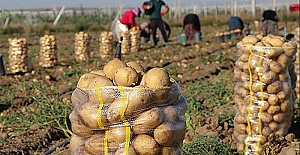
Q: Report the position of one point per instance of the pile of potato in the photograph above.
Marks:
(47, 55)
(18, 58)
(264, 96)
(106, 44)
(134, 39)
(82, 46)
(297, 62)
(123, 110)
(126, 44)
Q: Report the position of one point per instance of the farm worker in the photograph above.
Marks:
(126, 22)
(146, 30)
(157, 21)
(235, 23)
(269, 23)
(191, 25)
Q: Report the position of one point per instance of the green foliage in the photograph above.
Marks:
(206, 145)
(12, 30)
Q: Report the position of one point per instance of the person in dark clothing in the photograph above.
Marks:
(269, 23)
(156, 20)
(235, 22)
(146, 30)
(191, 25)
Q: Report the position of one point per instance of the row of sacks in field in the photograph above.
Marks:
(121, 109)
(264, 91)
(18, 49)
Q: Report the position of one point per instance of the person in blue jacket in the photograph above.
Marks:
(235, 22)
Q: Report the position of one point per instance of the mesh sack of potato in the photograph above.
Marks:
(134, 39)
(47, 54)
(106, 44)
(126, 43)
(82, 46)
(18, 57)
(264, 93)
(123, 110)
(297, 62)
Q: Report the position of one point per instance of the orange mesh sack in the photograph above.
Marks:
(134, 116)
(264, 93)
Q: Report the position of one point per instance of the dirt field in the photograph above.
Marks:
(207, 60)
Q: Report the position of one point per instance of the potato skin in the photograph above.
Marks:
(146, 145)
(110, 67)
(126, 76)
(170, 134)
(121, 151)
(147, 120)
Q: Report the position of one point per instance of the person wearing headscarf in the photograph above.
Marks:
(269, 23)
(126, 22)
(191, 25)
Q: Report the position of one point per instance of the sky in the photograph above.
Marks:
(28, 4)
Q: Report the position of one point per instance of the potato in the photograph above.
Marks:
(171, 113)
(86, 79)
(137, 101)
(88, 113)
(138, 67)
(259, 44)
(266, 131)
(276, 42)
(273, 52)
(273, 109)
(146, 145)
(269, 77)
(78, 128)
(286, 106)
(267, 44)
(239, 64)
(264, 105)
(100, 81)
(157, 78)
(76, 142)
(117, 134)
(122, 151)
(282, 95)
(111, 67)
(98, 72)
(284, 60)
(237, 73)
(147, 120)
(274, 126)
(170, 150)
(289, 49)
(78, 96)
(276, 67)
(257, 85)
(240, 128)
(273, 99)
(262, 95)
(279, 117)
(266, 117)
(286, 87)
(126, 76)
(95, 144)
(283, 76)
(244, 57)
(168, 134)
(240, 118)
(251, 39)
(275, 87)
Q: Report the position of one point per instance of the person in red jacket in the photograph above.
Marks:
(126, 22)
